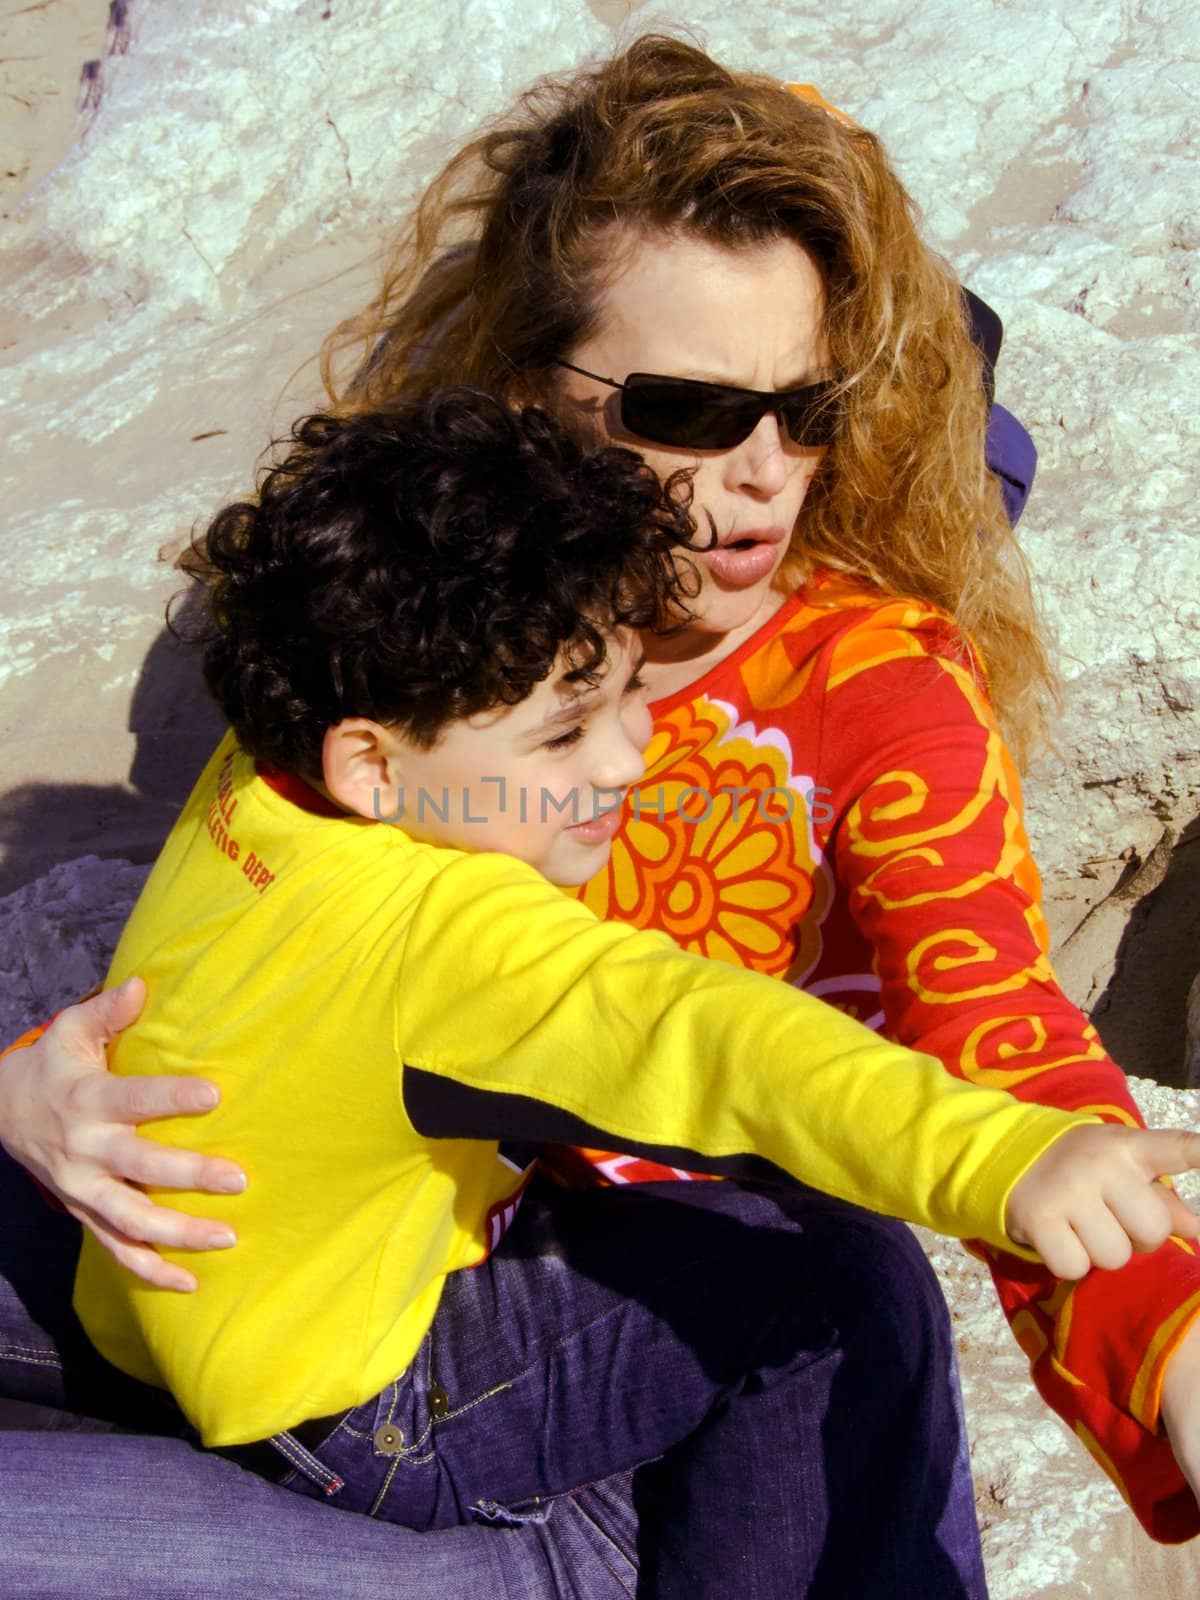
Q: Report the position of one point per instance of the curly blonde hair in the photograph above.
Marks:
(499, 271)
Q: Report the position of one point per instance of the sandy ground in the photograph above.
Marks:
(47, 51)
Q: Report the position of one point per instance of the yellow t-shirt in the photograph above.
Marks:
(379, 1013)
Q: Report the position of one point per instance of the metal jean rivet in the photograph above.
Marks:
(388, 1439)
(439, 1401)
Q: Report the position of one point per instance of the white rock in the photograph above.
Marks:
(234, 144)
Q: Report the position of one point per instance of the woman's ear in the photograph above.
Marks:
(361, 763)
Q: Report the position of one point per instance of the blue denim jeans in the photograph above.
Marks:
(115, 1516)
(87, 1507)
(669, 1390)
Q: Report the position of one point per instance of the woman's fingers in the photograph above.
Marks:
(140, 1259)
(137, 1100)
(74, 1126)
(87, 1027)
(124, 1154)
(127, 1213)
(102, 1111)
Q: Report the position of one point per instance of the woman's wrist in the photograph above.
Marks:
(12, 1070)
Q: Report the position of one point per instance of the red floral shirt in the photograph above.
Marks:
(833, 804)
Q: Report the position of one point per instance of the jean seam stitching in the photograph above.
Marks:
(384, 1487)
(29, 1356)
(305, 1462)
(532, 1366)
(470, 1405)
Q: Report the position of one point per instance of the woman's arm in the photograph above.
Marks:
(931, 856)
(75, 1128)
(1181, 1405)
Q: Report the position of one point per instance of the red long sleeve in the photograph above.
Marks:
(932, 859)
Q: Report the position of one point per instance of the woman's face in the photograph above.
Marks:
(754, 317)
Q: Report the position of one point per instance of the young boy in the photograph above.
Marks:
(431, 622)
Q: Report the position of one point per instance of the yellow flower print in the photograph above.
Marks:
(717, 848)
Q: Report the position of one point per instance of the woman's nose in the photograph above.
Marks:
(760, 462)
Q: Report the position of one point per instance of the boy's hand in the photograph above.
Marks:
(1093, 1199)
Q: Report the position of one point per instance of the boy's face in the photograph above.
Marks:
(543, 780)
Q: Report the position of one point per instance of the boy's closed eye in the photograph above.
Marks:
(564, 740)
(634, 684)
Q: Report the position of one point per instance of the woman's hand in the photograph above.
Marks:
(1094, 1197)
(74, 1126)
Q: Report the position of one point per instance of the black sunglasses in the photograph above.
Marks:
(716, 416)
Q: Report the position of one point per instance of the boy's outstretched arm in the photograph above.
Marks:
(531, 1021)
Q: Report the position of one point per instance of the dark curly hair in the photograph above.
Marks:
(419, 567)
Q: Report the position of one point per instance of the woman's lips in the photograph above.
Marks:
(746, 559)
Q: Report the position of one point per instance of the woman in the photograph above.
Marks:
(726, 276)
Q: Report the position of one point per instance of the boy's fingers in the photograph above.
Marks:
(1166, 1150)
(1142, 1210)
(1184, 1221)
(1060, 1249)
(1104, 1238)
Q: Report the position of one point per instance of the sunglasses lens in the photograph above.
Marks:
(706, 416)
(695, 415)
(810, 417)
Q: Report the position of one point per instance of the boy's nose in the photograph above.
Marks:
(621, 765)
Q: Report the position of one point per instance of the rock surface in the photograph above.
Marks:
(239, 159)
(235, 165)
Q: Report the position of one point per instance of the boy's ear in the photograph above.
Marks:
(361, 766)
